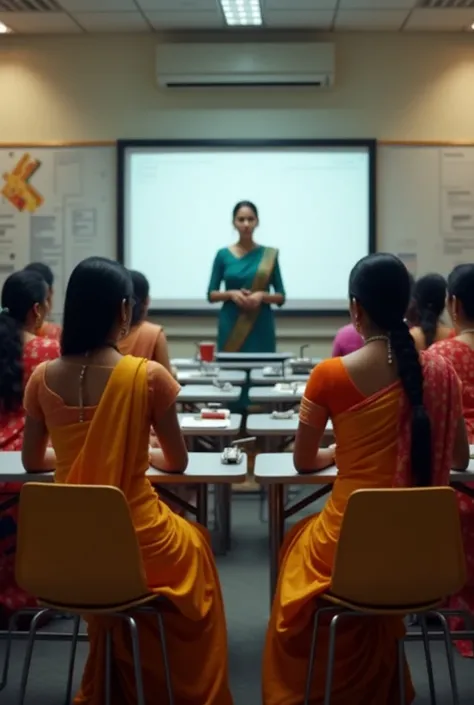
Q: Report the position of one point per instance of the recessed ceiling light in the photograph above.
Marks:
(4, 29)
(242, 12)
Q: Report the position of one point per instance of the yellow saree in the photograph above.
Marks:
(373, 438)
(112, 449)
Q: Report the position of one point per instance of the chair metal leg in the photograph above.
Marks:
(166, 664)
(312, 656)
(429, 662)
(401, 670)
(449, 657)
(137, 664)
(72, 658)
(331, 658)
(108, 668)
(29, 653)
(6, 664)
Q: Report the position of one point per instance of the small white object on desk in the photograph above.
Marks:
(204, 424)
(231, 456)
(295, 387)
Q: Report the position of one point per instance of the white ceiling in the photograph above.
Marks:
(80, 16)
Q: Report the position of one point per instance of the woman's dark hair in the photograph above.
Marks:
(429, 296)
(461, 285)
(380, 283)
(42, 269)
(141, 292)
(95, 292)
(21, 291)
(244, 204)
(411, 315)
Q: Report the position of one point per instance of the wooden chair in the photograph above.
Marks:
(77, 552)
(399, 552)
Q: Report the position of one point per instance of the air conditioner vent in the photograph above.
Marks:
(446, 4)
(30, 6)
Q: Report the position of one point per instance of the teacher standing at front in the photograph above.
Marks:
(249, 272)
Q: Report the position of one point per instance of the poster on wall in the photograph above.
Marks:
(57, 206)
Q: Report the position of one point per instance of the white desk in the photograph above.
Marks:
(265, 425)
(258, 378)
(272, 397)
(275, 470)
(238, 377)
(203, 394)
(203, 469)
(205, 428)
(234, 361)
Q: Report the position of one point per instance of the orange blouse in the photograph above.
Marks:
(329, 391)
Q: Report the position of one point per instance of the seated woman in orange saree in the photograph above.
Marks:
(459, 352)
(374, 422)
(98, 407)
(144, 339)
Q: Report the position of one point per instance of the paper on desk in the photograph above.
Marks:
(193, 422)
(296, 388)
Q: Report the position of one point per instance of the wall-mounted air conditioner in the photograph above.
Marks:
(199, 65)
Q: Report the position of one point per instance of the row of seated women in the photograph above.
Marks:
(88, 416)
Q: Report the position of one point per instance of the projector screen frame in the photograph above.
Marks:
(124, 144)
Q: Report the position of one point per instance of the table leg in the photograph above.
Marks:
(201, 504)
(276, 530)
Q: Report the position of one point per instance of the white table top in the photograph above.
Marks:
(271, 468)
(264, 425)
(183, 363)
(269, 395)
(198, 377)
(203, 468)
(204, 428)
(197, 393)
(257, 377)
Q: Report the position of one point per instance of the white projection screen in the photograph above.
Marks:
(315, 201)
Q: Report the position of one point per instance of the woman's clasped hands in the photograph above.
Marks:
(246, 299)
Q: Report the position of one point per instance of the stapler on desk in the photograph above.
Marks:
(233, 454)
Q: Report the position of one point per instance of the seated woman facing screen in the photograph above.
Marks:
(459, 351)
(97, 407)
(48, 329)
(390, 431)
(145, 339)
(429, 297)
(22, 314)
(246, 321)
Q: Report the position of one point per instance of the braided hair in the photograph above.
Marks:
(380, 284)
(429, 296)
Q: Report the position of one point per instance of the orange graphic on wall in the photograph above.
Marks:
(18, 190)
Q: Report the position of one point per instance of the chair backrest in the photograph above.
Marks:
(77, 546)
(399, 547)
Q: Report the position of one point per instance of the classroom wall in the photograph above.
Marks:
(393, 87)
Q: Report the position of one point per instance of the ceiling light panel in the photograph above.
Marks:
(242, 12)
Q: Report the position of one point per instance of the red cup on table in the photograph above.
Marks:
(207, 351)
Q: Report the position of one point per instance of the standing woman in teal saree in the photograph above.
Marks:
(249, 272)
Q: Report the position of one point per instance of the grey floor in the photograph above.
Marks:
(244, 576)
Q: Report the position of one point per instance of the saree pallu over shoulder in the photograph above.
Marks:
(373, 444)
(246, 320)
(176, 554)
